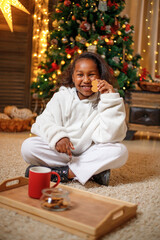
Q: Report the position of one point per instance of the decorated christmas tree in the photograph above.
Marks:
(91, 25)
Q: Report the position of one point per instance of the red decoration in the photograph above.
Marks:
(110, 4)
(73, 18)
(71, 51)
(113, 30)
(144, 74)
(54, 67)
(125, 67)
(111, 70)
(110, 42)
(128, 28)
(67, 3)
(58, 10)
(85, 26)
(126, 38)
(77, 4)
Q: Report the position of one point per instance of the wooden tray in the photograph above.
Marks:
(90, 216)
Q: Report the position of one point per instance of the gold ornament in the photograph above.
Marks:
(5, 6)
(129, 57)
(116, 73)
(55, 24)
(64, 40)
(92, 48)
(78, 38)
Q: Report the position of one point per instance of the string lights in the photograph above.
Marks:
(150, 45)
(40, 31)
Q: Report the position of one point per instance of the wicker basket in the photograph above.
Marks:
(149, 86)
(16, 125)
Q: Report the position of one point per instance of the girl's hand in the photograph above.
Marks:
(64, 146)
(105, 87)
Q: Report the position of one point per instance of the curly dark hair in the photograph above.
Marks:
(65, 79)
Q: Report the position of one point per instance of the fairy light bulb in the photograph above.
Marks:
(87, 44)
(63, 62)
(54, 75)
(79, 51)
(68, 56)
(95, 42)
(59, 72)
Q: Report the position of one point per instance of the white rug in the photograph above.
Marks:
(137, 182)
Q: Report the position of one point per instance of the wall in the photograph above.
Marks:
(15, 57)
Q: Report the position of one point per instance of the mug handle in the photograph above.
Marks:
(58, 178)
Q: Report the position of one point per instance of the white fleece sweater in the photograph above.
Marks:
(99, 119)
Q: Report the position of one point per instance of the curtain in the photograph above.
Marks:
(145, 16)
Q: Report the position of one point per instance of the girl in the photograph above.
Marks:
(79, 132)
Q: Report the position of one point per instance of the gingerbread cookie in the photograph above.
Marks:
(94, 86)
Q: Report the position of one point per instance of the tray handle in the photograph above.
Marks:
(13, 183)
(122, 213)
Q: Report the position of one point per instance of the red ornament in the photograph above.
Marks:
(54, 67)
(67, 3)
(73, 18)
(144, 73)
(110, 42)
(127, 29)
(125, 67)
(58, 10)
(113, 31)
(110, 4)
(126, 38)
(77, 4)
(71, 51)
(111, 71)
(85, 26)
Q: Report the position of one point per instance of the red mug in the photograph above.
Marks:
(39, 178)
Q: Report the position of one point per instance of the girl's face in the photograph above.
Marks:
(85, 72)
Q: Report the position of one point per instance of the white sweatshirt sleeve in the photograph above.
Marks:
(49, 124)
(111, 119)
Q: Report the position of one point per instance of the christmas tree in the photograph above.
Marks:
(91, 25)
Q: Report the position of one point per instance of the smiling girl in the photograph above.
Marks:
(79, 134)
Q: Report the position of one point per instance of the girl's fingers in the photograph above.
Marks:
(65, 147)
(71, 145)
(104, 86)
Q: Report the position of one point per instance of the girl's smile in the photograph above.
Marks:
(85, 72)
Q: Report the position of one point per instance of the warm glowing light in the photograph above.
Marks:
(54, 75)
(68, 56)
(79, 51)
(59, 72)
(87, 44)
(5, 6)
(95, 42)
(106, 40)
(63, 62)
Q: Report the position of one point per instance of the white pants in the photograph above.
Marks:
(97, 158)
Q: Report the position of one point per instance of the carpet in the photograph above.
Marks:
(138, 181)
